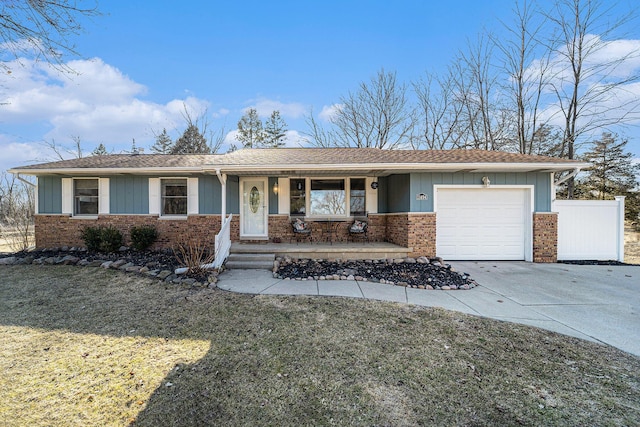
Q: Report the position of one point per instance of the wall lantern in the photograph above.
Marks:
(485, 181)
(275, 188)
(299, 185)
(374, 185)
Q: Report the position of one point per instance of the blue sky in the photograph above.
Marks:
(142, 61)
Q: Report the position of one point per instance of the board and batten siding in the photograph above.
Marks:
(393, 193)
(49, 194)
(129, 195)
(424, 182)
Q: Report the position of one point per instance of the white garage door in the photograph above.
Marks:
(482, 223)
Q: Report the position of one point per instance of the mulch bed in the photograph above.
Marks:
(419, 272)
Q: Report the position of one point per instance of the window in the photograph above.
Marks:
(85, 197)
(357, 197)
(297, 193)
(327, 197)
(174, 197)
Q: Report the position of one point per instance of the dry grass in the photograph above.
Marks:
(631, 245)
(96, 347)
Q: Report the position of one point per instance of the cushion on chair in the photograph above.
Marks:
(300, 225)
(357, 226)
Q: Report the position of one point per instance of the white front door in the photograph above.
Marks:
(255, 208)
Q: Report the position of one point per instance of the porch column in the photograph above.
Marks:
(222, 177)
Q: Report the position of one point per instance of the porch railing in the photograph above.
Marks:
(223, 242)
(222, 246)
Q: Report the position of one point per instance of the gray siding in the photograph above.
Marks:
(424, 182)
(49, 194)
(129, 194)
(233, 194)
(209, 194)
(398, 193)
(273, 197)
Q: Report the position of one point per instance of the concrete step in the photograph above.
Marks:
(246, 261)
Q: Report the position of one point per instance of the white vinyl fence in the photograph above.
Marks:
(590, 229)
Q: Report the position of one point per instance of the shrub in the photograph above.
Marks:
(111, 239)
(102, 239)
(143, 237)
(91, 238)
(192, 254)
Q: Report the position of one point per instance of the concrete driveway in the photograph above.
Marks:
(597, 303)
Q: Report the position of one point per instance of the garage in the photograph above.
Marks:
(483, 223)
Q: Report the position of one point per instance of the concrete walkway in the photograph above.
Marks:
(596, 303)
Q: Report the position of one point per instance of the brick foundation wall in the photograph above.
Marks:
(421, 234)
(397, 229)
(545, 237)
(62, 230)
(280, 227)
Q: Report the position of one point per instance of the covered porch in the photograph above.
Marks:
(325, 250)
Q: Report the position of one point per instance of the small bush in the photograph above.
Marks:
(111, 239)
(143, 237)
(102, 239)
(193, 254)
(92, 238)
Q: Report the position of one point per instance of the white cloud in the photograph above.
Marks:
(16, 154)
(294, 139)
(329, 112)
(220, 113)
(99, 103)
(265, 107)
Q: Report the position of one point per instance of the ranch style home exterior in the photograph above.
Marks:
(456, 204)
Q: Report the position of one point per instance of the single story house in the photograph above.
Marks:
(457, 204)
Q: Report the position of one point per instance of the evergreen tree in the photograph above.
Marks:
(613, 171)
(250, 131)
(191, 142)
(274, 131)
(100, 150)
(163, 144)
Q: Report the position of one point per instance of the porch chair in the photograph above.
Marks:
(359, 228)
(301, 230)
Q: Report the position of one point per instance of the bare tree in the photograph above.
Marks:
(62, 152)
(317, 135)
(527, 67)
(485, 116)
(590, 92)
(377, 115)
(43, 27)
(439, 121)
(17, 205)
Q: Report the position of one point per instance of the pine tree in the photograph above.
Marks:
(613, 171)
(100, 150)
(275, 131)
(191, 142)
(163, 144)
(250, 131)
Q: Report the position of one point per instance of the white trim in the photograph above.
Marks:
(154, 196)
(371, 195)
(346, 167)
(530, 208)
(284, 196)
(192, 196)
(67, 196)
(266, 190)
(103, 196)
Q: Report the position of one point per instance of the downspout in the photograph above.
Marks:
(25, 181)
(568, 177)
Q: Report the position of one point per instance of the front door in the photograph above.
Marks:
(255, 208)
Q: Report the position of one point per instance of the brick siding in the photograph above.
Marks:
(62, 230)
(545, 237)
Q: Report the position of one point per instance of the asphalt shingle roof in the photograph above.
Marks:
(286, 157)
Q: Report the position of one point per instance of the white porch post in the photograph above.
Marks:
(620, 200)
(222, 177)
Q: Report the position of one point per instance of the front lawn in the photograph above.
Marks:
(88, 346)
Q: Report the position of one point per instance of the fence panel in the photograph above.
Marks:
(590, 229)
